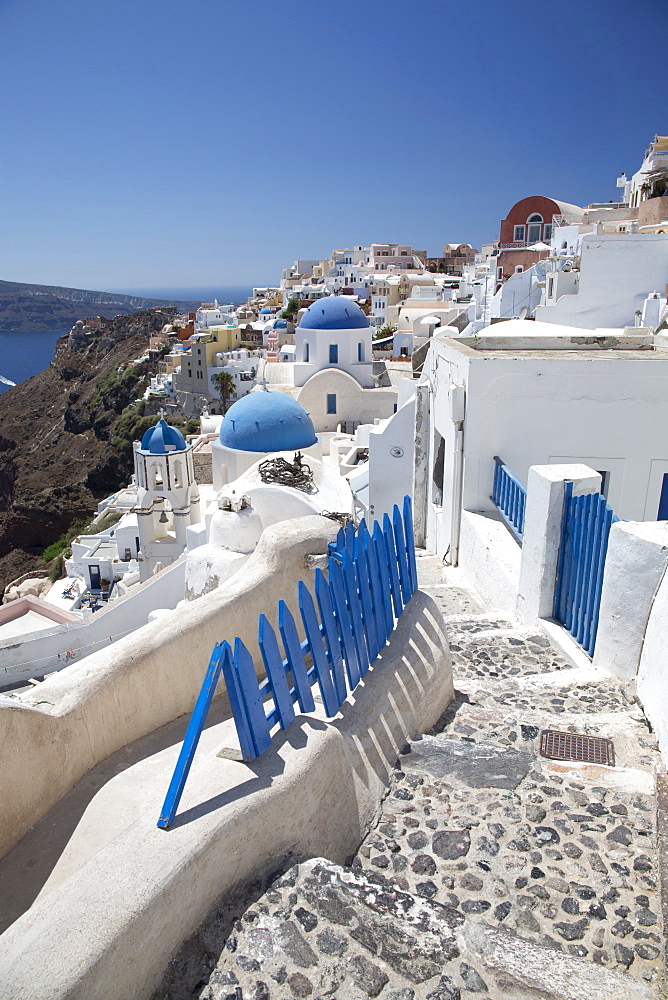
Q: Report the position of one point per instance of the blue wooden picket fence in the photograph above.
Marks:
(584, 544)
(509, 498)
(371, 576)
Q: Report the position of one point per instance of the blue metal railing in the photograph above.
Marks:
(370, 579)
(509, 498)
(584, 543)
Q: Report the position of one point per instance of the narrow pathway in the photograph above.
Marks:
(492, 872)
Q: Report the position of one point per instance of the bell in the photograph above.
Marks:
(163, 518)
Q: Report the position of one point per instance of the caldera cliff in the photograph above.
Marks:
(64, 439)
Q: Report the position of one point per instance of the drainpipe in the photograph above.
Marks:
(457, 413)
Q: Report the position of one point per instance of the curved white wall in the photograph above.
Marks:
(53, 735)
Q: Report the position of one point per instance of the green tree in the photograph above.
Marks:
(291, 309)
(224, 384)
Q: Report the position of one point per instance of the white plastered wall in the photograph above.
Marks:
(635, 564)
(537, 410)
(391, 461)
(77, 717)
(652, 678)
(617, 272)
(353, 402)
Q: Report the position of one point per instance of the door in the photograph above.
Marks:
(94, 576)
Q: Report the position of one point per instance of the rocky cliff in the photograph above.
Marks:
(51, 307)
(63, 439)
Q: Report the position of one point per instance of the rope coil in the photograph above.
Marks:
(297, 474)
(343, 519)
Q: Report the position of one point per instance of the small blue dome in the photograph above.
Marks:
(267, 421)
(280, 324)
(263, 312)
(163, 438)
(335, 312)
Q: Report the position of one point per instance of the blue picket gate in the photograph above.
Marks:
(509, 498)
(370, 579)
(584, 544)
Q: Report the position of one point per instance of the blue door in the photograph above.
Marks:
(584, 544)
(94, 574)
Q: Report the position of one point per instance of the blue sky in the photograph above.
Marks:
(162, 143)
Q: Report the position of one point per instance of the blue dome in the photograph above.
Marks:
(267, 421)
(263, 312)
(335, 312)
(280, 324)
(163, 438)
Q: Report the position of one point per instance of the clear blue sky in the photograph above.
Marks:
(154, 143)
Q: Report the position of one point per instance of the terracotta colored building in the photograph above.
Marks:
(530, 221)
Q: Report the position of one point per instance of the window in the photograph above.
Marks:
(518, 234)
(550, 288)
(333, 354)
(605, 480)
(306, 351)
(437, 470)
(535, 218)
(331, 402)
(662, 514)
(547, 231)
(534, 233)
(360, 351)
(519, 269)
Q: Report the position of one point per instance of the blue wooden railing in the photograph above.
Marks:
(584, 544)
(509, 498)
(370, 579)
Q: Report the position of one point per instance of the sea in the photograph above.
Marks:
(25, 354)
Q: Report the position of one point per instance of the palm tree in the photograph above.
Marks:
(225, 387)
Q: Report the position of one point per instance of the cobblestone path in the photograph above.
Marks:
(492, 872)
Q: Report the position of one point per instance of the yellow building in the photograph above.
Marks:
(219, 338)
(200, 353)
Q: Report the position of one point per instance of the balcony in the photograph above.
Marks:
(520, 245)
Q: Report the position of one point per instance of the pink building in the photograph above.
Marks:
(384, 255)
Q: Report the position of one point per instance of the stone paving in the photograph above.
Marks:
(491, 873)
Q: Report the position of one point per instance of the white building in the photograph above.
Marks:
(607, 279)
(535, 394)
(242, 365)
(212, 314)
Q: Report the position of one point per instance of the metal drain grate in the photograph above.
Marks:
(572, 746)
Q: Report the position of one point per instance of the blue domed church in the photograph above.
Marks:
(256, 426)
(334, 332)
(167, 496)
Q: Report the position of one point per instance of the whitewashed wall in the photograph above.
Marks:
(53, 735)
(617, 272)
(54, 648)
